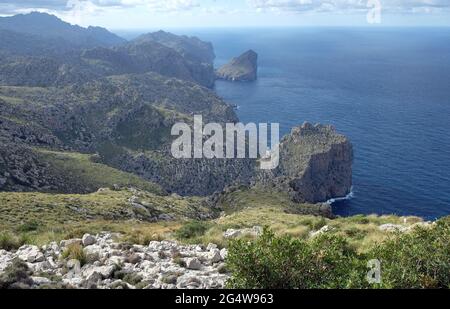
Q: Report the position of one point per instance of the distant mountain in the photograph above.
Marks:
(50, 27)
(30, 60)
(191, 48)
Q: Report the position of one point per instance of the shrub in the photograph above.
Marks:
(273, 262)
(192, 229)
(29, 226)
(420, 259)
(75, 252)
(16, 276)
(10, 242)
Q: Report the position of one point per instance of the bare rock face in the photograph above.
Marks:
(315, 164)
(242, 68)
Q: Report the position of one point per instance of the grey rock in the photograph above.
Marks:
(70, 242)
(40, 280)
(88, 240)
(214, 256)
(211, 247)
(323, 230)
(392, 228)
(224, 253)
(30, 254)
(193, 263)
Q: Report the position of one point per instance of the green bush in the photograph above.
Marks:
(29, 226)
(75, 252)
(10, 242)
(420, 259)
(192, 229)
(273, 262)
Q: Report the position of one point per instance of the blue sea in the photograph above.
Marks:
(387, 89)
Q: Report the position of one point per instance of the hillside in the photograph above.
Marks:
(48, 27)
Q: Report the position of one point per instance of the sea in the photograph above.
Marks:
(387, 89)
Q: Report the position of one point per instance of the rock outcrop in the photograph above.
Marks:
(113, 265)
(242, 68)
(315, 164)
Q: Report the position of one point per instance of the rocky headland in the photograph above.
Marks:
(242, 68)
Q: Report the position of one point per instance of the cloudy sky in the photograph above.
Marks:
(140, 14)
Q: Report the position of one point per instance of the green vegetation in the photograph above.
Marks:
(42, 217)
(286, 263)
(192, 229)
(75, 252)
(416, 260)
(8, 241)
(420, 259)
(80, 171)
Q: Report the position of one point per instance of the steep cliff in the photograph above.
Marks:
(242, 68)
(315, 164)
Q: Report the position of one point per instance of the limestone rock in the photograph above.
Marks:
(30, 254)
(323, 230)
(88, 240)
(193, 263)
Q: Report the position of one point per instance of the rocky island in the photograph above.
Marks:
(242, 68)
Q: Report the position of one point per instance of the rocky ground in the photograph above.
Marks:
(106, 264)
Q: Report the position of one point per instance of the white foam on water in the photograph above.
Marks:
(348, 197)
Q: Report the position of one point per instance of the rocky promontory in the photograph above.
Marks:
(242, 68)
(315, 164)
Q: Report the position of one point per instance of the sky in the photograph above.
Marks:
(146, 14)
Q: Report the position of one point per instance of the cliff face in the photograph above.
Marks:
(315, 165)
(242, 68)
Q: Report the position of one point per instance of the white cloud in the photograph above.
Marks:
(403, 6)
(89, 6)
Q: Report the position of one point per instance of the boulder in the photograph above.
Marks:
(323, 230)
(70, 242)
(193, 263)
(30, 254)
(392, 228)
(211, 247)
(40, 280)
(232, 233)
(214, 256)
(88, 240)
